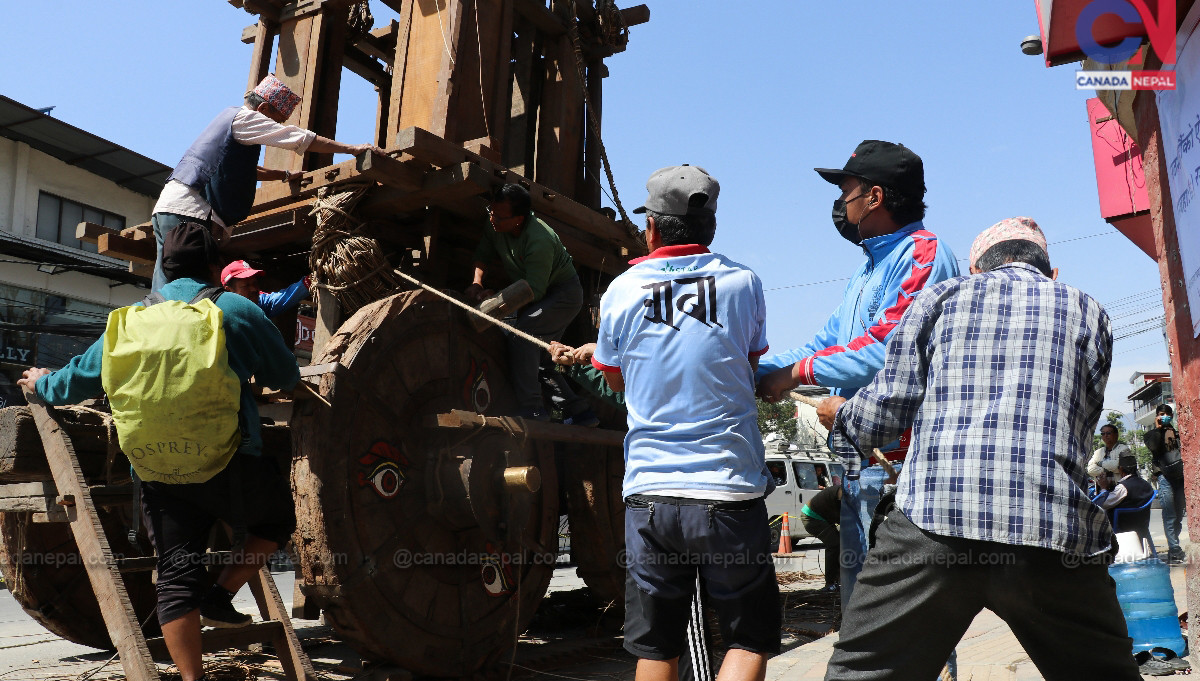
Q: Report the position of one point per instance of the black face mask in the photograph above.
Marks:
(847, 229)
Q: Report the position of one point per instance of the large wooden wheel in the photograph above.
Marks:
(409, 537)
(45, 573)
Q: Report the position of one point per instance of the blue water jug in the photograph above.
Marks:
(1148, 601)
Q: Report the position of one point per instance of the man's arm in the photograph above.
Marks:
(888, 406)
(1114, 498)
(275, 304)
(324, 145)
(275, 365)
(854, 364)
(77, 381)
(252, 127)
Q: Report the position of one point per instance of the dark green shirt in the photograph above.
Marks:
(535, 255)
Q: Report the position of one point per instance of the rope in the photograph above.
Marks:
(347, 263)
(359, 22)
(593, 121)
(507, 327)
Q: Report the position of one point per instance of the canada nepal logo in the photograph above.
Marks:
(1160, 29)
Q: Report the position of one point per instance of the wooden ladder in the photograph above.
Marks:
(104, 571)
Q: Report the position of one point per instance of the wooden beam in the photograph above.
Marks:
(399, 67)
(115, 246)
(381, 42)
(364, 65)
(366, 166)
(107, 585)
(295, 663)
(27, 497)
(536, 430)
(260, 58)
(425, 146)
(546, 21)
(90, 231)
(329, 318)
(638, 14)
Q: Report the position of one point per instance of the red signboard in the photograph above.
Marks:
(1074, 29)
(304, 332)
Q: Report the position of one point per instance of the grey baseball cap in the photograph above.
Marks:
(672, 188)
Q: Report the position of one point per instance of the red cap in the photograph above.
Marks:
(238, 269)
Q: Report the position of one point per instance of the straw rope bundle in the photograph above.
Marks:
(343, 261)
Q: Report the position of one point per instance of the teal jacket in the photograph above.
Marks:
(255, 349)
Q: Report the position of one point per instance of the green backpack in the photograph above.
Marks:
(174, 398)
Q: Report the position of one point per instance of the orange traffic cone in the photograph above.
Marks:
(785, 536)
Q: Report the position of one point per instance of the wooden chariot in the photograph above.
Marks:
(427, 518)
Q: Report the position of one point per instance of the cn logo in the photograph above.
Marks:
(1160, 27)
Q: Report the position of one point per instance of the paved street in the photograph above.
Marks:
(988, 651)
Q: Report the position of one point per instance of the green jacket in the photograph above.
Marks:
(535, 255)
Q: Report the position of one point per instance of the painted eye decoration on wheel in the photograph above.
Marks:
(383, 472)
(496, 573)
(476, 390)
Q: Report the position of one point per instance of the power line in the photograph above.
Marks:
(830, 281)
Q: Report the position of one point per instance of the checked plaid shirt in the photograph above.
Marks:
(1001, 376)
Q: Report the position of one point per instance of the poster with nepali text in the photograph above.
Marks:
(1179, 119)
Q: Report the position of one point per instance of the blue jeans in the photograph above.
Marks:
(1170, 495)
(859, 499)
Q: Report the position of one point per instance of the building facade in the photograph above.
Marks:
(1150, 389)
(55, 290)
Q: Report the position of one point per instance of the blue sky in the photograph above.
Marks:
(756, 97)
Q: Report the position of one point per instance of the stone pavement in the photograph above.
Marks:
(988, 651)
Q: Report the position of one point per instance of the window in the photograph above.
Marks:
(806, 475)
(57, 219)
(778, 471)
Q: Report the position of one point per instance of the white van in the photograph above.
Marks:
(799, 475)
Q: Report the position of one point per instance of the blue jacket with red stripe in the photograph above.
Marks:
(848, 352)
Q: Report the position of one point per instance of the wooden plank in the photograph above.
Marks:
(537, 14)
(381, 42)
(109, 588)
(90, 231)
(329, 318)
(537, 430)
(448, 81)
(425, 146)
(399, 68)
(446, 187)
(560, 119)
(638, 14)
(214, 640)
(292, 657)
(590, 190)
(518, 138)
(28, 497)
(366, 166)
(141, 269)
(431, 40)
(260, 59)
(364, 65)
(116, 246)
(140, 231)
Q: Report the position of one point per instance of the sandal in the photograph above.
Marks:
(1169, 658)
(1149, 665)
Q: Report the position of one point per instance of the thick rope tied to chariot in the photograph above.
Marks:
(345, 262)
(360, 21)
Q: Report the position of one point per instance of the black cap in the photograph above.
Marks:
(188, 250)
(1129, 463)
(885, 164)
